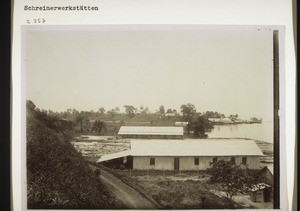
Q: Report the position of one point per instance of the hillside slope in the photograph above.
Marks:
(57, 175)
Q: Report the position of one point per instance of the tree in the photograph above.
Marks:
(231, 178)
(98, 126)
(50, 112)
(141, 109)
(145, 110)
(101, 110)
(79, 121)
(211, 114)
(30, 105)
(171, 112)
(162, 110)
(130, 110)
(117, 110)
(200, 127)
(44, 111)
(111, 113)
(188, 110)
(233, 117)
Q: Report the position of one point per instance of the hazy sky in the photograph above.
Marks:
(229, 71)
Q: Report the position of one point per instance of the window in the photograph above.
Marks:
(196, 161)
(232, 159)
(215, 159)
(244, 160)
(152, 161)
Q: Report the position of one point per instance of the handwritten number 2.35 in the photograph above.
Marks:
(36, 21)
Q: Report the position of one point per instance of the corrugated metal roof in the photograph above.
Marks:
(181, 123)
(260, 186)
(136, 130)
(270, 167)
(195, 147)
(114, 155)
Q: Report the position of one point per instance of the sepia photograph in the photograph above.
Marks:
(150, 117)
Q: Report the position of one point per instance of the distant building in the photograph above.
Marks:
(181, 123)
(151, 132)
(188, 154)
(261, 193)
(170, 114)
(214, 120)
(225, 120)
(238, 121)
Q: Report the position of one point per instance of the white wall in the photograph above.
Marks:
(186, 163)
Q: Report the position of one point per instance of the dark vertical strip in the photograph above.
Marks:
(5, 181)
(276, 121)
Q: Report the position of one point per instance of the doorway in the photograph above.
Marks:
(176, 164)
(267, 195)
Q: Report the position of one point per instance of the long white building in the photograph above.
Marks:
(190, 154)
(151, 132)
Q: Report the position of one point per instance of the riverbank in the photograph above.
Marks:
(268, 151)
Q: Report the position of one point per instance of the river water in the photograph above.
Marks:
(262, 132)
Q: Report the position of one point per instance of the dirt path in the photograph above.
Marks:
(128, 196)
